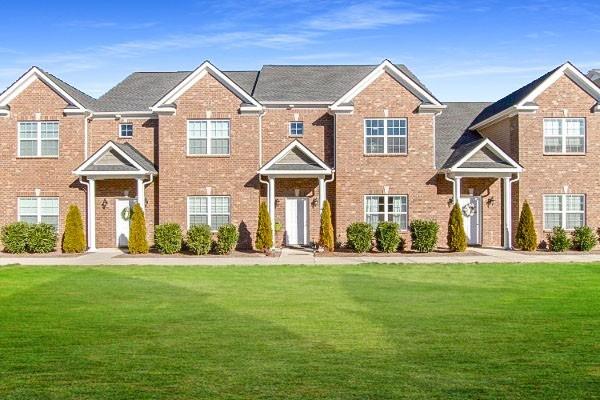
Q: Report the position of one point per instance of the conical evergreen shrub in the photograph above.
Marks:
(456, 239)
(526, 238)
(74, 236)
(138, 244)
(326, 237)
(264, 233)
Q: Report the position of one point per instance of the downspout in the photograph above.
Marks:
(86, 119)
(260, 149)
(453, 186)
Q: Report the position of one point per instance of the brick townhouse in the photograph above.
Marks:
(207, 146)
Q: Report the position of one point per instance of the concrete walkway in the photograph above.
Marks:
(296, 256)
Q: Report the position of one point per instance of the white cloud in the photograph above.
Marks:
(485, 70)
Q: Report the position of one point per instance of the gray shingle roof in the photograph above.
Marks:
(291, 83)
(137, 156)
(82, 98)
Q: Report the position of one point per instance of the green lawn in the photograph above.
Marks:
(362, 332)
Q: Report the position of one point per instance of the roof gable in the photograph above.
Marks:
(295, 158)
(115, 158)
(484, 154)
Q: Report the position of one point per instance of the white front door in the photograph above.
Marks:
(471, 211)
(296, 221)
(122, 221)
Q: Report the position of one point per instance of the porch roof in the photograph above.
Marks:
(116, 160)
(295, 160)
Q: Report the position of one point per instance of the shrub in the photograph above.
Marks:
(526, 238)
(14, 237)
(199, 239)
(264, 232)
(41, 238)
(424, 235)
(167, 238)
(456, 239)
(584, 238)
(227, 238)
(137, 231)
(558, 240)
(360, 236)
(326, 237)
(74, 236)
(401, 244)
(387, 237)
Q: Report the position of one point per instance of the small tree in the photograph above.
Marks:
(264, 233)
(74, 237)
(457, 239)
(526, 238)
(138, 244)
(326, 238)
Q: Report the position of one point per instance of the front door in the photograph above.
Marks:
(471, 211)
(296, 221)
(123, 211)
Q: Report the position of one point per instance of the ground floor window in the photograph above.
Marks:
(210, 210)
(564, 210)
(39, 209)
(387, 208)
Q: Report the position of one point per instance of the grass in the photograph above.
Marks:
(363, 332)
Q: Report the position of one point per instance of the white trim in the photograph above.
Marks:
(290, 128)
(208, 138)
(563, 211)
(306, 220)
(195, 76)
(385, 136)
(295, 144)
(386, 213)
(109, 145)
(23, 83)
(497, 150)
(385, 66)
(563, 136)
(120, 133)
(38, 213)
(38, 139)
(208, 210)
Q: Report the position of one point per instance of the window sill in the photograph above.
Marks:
(125, 137)
(208, 155)
(296, 136)
(564, 154)
(385, 154)
(37, 157)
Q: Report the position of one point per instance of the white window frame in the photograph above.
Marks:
(38, 214)
(121, 130)
(209, 138)
(386, 203)
(209, 209)
(291, 130)
(385, 135)
(38, 139)
(563, 135)
(563, 211)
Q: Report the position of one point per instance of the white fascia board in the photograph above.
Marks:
(294, 174)
(113, 174)
(23, 83)
(481, 173)
(431, 108)
(100, 152)
(120, 113)
(509, 112)
(341, 109)
(288, 148)
(497, 150)
(199, 73)
(385, 66)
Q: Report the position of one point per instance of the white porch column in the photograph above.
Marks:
(141, 198)
(456, 188)
(507, 213)
(272, 205)
(322, 192)
(91, 217)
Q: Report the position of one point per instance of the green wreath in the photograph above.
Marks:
(126, 214)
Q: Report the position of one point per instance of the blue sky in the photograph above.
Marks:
(462, 50)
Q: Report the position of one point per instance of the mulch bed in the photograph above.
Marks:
(41, 255)
(375, 253)
(184, 253)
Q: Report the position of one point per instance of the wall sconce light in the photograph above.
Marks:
(450, 201)
(314, 202)
(276, 202)
(490, 202)
(104, 204)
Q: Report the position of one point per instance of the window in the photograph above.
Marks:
(564, 210)
(208, 137)
(386, 136)
(126, 130)
(387, 208)
(296, 128)
(564, 135)
(39, 209)
(210, 210)
(38, 139)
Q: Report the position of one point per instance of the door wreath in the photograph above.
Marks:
(468, 210)
(126, 214)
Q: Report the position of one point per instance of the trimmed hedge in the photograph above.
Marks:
(21, 237)
(14, 237)
(168, 238)
(526, 238)
(227, 238)
(424, 235)
(584, 238)
(264, 232)
(138, 244)
(387, 237)
(74, 236)
(326, 237)
(558, 240)
(360, 237)
(456, 239)
(199, 239)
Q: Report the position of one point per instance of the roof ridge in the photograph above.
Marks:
(321, 65)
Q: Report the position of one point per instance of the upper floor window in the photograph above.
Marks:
(39, 209)
(386, 136)
(387, 208)
(564, 210)
(564, 135)
(208, 137)
(126, 130)
(296, 128)
(38, 139)
(210, 210)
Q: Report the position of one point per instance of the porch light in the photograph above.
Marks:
(104, 204)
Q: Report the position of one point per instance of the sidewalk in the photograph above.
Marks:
(293, 256)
